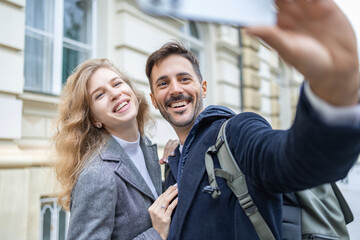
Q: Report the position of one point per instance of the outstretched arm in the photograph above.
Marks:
(317, 39)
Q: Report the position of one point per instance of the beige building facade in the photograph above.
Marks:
(42, 41)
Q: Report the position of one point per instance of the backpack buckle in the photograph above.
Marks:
(247, 204)
(219, 142)
(209, 189)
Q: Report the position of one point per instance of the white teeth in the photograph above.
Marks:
(121, 106)
(178, 104)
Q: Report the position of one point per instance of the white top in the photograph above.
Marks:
(133, 150)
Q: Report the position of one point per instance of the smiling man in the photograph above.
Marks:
(178, 92)
(320, 147)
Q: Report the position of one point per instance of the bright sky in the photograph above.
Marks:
(351, 9)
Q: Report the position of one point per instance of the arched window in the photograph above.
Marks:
(54, 220)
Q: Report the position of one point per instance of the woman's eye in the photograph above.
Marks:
(118, 84)
(99, 96)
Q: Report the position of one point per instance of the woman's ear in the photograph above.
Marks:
(98, 124)
(95, 122)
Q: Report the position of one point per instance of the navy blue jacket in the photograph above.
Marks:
(274, 161)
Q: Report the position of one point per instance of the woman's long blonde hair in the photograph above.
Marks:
(76, 137)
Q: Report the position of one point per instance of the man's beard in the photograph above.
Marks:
(195, 112)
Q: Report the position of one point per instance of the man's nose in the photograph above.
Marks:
(175, 88)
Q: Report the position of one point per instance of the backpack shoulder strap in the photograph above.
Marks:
(349, 217)
(235, 180)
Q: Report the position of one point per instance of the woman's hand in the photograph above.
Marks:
(169, 149)
(161, 210)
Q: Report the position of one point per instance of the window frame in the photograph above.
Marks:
(51, 204)
(53, 86)
(192, 42)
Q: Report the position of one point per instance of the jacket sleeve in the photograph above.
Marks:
(150, 234)
(92, 210)
(308, 154)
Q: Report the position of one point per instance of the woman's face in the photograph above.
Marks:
(112, 102)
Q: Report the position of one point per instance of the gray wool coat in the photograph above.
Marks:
(111, 199)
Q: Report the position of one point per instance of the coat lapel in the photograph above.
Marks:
(125, 169)
(152, 165)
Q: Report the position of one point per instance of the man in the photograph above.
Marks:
(321, 146)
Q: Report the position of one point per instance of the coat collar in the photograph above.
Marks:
(127, 170)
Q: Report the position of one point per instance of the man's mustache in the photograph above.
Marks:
(180, 97)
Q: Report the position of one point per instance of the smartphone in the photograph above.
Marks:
(233, 12)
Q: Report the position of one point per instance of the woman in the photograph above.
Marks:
(107, 168)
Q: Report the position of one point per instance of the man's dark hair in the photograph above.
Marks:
(166, 50)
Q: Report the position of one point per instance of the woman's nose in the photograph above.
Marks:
(115, 94)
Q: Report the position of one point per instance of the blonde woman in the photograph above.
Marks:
(106, 166)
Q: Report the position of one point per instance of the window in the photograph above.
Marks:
(54, 220)
(192, 39)
(58, 36)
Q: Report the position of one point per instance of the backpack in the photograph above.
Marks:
(316, 213)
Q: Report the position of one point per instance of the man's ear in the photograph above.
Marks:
(153, 100)
(204, 88)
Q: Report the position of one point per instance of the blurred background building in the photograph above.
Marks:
(41, 41)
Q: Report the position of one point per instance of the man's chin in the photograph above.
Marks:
(180, 122)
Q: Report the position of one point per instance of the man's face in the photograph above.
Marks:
(177, 91)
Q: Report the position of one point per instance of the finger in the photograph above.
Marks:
(165, 198)
(290, 8)
(175, 144)
(165, 153)
(314, 9)
(170, 196)
(168, 200)
(169, 190)
(283, 42)
(171, 207)
(162, 161)
(168, 148)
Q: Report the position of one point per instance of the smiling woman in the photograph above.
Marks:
(113, 104)
(106, 165)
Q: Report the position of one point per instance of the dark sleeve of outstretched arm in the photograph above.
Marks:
(308, 154)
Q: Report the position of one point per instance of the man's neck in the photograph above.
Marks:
(183, 132)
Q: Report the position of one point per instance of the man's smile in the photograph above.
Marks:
(178, 102)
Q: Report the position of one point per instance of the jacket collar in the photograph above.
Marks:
(127, 170)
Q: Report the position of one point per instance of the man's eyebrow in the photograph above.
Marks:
(161, 78)
(97, 89)
(183, 74)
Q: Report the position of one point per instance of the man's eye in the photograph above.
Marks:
(184, 79)
(161, 84)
